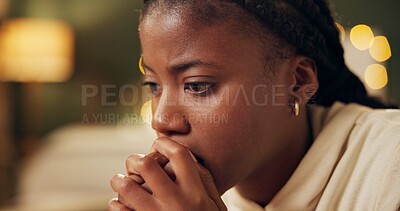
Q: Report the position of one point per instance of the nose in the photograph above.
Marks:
(169, 117)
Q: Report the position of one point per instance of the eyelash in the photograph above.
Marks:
(191, 88)
(152, 87)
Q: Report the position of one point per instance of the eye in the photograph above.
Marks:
(198, 88)
(155, 89)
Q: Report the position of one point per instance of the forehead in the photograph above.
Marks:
(199, 14)
(184, 24)
(171, 37)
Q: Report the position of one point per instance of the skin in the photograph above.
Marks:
(256, 150)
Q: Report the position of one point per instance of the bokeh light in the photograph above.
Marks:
(342, 31)
(361, 36)
(376, 76)
(145, 112)
(380, 49)
(36, 50)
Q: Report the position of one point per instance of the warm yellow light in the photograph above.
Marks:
(4, 7)
(361, 36)
(145, 112)
(141, 65)
(36, 50)
(376, 76)
(342, 31)
(380, 49)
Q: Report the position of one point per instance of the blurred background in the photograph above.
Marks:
(72, 108)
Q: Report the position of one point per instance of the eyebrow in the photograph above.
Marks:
(185, 66)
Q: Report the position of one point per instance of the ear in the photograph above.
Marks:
(305, 81)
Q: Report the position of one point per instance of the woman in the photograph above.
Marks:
(263, 65)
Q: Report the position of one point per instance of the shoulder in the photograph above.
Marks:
(371, 123)
(367, 171)
(383, 119)
(381, 129)
(374, 136)
(380, 126)
(373, 148)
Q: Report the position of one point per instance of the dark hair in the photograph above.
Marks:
(308, 26)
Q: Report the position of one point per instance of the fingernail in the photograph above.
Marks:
(193, 157)
(121, 176)
(113, 199)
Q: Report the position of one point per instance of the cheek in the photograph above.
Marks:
(227, 139)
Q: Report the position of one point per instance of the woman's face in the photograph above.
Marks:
(213, 95)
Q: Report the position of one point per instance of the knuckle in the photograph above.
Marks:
(130, 160)
(121, 185)
(145, 163)
(180, 151)
(114, 183)
(125, 187)
(154, 144)
(158, 141)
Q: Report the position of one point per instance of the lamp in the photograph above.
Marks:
(31, 50)
(36, 50)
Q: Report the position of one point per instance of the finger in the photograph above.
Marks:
(124, 202)
(170, 172)
(137, 178)
(140, 181)
(155, 177)
(181, 161)
(164, 163)
(209, 185)
(129, 166)
(115, 205)
(159, 158)
(133, 193)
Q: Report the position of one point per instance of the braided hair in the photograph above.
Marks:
(308, 26)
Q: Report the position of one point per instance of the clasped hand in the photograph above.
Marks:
(169, 178)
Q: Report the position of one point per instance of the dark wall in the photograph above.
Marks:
(107, 51)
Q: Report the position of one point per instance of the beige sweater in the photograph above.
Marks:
(353, 165)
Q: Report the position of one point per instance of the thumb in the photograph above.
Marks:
(209, 185)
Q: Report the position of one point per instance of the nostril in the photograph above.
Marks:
(171, 125)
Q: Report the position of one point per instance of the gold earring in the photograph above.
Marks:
(296, 108)
(141, 65)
